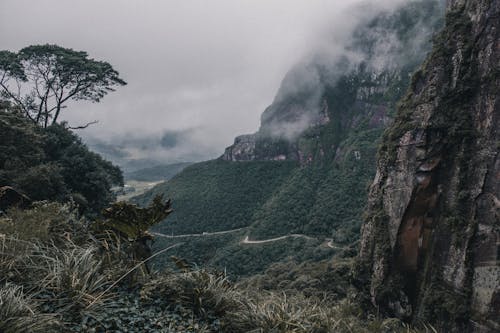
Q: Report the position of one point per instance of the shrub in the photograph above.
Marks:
(45, 221)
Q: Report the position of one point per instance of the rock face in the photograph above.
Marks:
(339, 95)
(430, 244)
(282, 124)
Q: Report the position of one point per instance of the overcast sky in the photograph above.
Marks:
(207, 67)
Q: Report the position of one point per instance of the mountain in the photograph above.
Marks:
(429, 247)
(301, 180)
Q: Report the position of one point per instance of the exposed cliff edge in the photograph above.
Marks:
(430, 244)
(323, 100)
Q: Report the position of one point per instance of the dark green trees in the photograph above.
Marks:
(39, 156)
(53, 164)
(40, 79)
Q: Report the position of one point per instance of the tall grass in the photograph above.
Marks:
(254, 311)
(66, 269)
(204, 292)
(72, 272)
(18, 313)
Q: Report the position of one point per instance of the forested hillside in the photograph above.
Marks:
(218, 195)
(306, 171)
(155, 173)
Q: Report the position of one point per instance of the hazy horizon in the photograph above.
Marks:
(199, 73)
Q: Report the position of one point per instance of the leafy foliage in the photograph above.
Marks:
(53, 164)
(47, 76)
(44, 221)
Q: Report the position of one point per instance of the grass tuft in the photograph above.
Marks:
(18, 313)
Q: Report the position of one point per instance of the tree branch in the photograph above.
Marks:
(83, 126)
(17, 100)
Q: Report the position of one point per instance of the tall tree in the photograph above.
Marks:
(40, 79)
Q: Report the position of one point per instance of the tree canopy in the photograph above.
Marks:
(41, 79)
(53, 164)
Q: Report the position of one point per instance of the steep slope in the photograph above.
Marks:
(430, 242)
(157, 172)
(317, 141)
(218, 195)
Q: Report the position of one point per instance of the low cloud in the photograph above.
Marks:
(199, 72)
(386, 40)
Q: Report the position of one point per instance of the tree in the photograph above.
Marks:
(53, 164)
(40, 79)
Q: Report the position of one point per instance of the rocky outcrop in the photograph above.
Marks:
(430, 244)
(282, 125)
(292, 130)
(322, 101)
(243, 149)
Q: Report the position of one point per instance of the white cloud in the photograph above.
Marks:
(211, 66)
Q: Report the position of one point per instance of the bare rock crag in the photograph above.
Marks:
(430, 244)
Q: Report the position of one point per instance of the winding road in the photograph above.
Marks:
(248, 241)
(204, 234)
(331, 245)
(329, 242)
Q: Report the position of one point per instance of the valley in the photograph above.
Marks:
(307, 169)
(366, 200)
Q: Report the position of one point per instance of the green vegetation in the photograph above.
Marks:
(39, 156)
(19, 312)
(242, 260)
(218, 195)
(75, 279)
(133, 222)
(53, 164)
(67, 263)
(156, 173)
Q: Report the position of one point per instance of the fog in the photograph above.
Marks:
(199, 72)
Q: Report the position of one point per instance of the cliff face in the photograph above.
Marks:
(430, 242)
(293, 130)
(335, 96)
